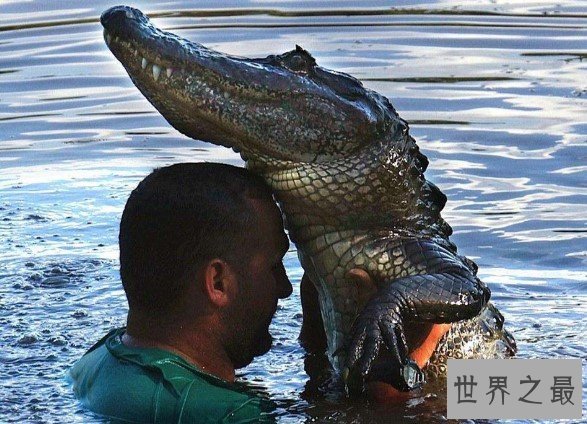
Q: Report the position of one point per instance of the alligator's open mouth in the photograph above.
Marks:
(284, 106)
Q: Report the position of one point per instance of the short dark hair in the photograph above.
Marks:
(177, 218)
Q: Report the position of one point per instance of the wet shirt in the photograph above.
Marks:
(156, 386)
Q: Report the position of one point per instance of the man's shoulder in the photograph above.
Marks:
(148, 385)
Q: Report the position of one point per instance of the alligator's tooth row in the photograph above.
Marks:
(156, 69)
(144, 61)
(156, 72)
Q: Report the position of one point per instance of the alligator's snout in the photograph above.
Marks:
(115, 16)
(124, 21)
(284, 106)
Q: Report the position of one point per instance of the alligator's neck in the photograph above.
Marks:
(381, 188)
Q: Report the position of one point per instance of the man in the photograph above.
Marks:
(201, 248)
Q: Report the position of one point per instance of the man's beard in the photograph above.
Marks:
(243, 351)
(263, 343)
(245, 343)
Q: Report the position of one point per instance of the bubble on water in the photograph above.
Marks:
(35, 277)
(58, 341)
(79, 314)
(55, 282)
(37, 218)
(28, 340)
(22, 286)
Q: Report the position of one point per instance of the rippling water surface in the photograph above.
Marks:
(495, 93)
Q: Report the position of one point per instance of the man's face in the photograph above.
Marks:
(261, 282)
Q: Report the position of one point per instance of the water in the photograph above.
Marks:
(495, 93)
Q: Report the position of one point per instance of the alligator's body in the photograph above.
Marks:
(347, 175)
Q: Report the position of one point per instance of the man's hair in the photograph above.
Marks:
(178, 218)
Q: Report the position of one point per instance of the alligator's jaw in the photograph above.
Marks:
(284, 107)
(161, 66)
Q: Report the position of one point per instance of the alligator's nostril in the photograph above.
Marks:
(117, 15)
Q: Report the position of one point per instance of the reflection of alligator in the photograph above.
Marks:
(348, 176)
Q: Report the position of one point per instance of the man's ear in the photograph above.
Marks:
(219, 282)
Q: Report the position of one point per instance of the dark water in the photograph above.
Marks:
(496, 94)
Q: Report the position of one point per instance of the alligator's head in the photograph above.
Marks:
(284, 107)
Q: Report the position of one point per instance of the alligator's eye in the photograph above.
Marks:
(298, 60)
(297, 64)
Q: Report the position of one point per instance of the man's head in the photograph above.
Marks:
(205, 241)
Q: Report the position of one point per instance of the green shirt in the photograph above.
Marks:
(155, 386)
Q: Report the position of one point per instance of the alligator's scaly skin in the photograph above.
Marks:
(348, 176)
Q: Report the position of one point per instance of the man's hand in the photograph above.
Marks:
(422, 353)
(381, 392)
(443, 297)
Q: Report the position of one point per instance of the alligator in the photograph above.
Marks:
(349, 178)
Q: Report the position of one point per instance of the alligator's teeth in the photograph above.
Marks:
(144, 63)
(169, 72)
(156, 72)
(108, 38)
